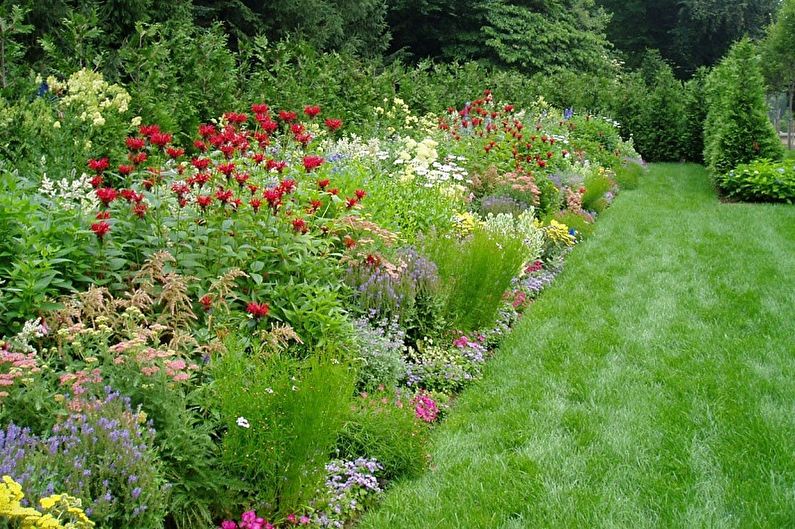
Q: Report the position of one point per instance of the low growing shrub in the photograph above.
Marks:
(760, 180)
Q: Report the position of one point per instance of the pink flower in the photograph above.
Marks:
(228, 524)
(425, 408)
(304, 520)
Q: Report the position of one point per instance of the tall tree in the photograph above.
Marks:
(529, 35)
(689, 33)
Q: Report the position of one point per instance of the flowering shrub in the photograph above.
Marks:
(444, 369)
(101, 454)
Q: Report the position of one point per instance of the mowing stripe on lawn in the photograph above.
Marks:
(653, 385)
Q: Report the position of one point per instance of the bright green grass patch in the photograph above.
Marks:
(650, 386)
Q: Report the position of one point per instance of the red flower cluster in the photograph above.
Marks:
(135, 144)
(100, 229)
(258, 310)
(106, 195)
(312, 162)
(311, 110)
(333, 124)
(98, 165)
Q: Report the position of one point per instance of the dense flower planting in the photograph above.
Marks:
(268, 318)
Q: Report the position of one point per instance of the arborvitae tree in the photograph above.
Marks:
(737, 129)
(695, 114)
(651, 110)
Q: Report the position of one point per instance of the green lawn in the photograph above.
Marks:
(653, 385)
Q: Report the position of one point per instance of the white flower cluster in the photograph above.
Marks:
(416, 157)
(71, 193)
(355, 148)
(447, 172)
(523, 226)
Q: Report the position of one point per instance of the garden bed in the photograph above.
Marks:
(267, 319)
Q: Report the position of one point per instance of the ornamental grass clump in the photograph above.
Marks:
(282, 417)
(475, 272)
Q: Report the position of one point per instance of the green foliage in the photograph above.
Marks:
(558, 35)
(582, 227)
(185, 443)
(282, 419)
(12, 26)
(180, 74)
(628, 175)
(42, 253)
(596, 186)
(540, 37)
(760, 181)
(475, 273)
(737, 128)
(695, 115)
(380, 354)
(384, 428)
(651, 110)
(689, 33)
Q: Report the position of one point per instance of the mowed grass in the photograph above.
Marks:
(653, 385)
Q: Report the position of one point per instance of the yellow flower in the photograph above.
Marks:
(50, 501)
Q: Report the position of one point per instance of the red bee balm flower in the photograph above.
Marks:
(311, 110)
(333, 124)
(312, 162)
(360, 193)
(161, 139)
(100, 229)
(258, 310)
(223, 195)
(106, 195)
(259, 108)
(204, 200)
(149, 130)
(287, 116)
(226, 168)
(138, 158)
(175, 152)
(206, 130)
(98, 165)
(255, 204)
(206, 302)
(200, 163)
(96, 181)
(139, 209)
(300, 226)
(135, 144)
(125, 170)
(103, 215)
(323, 184)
